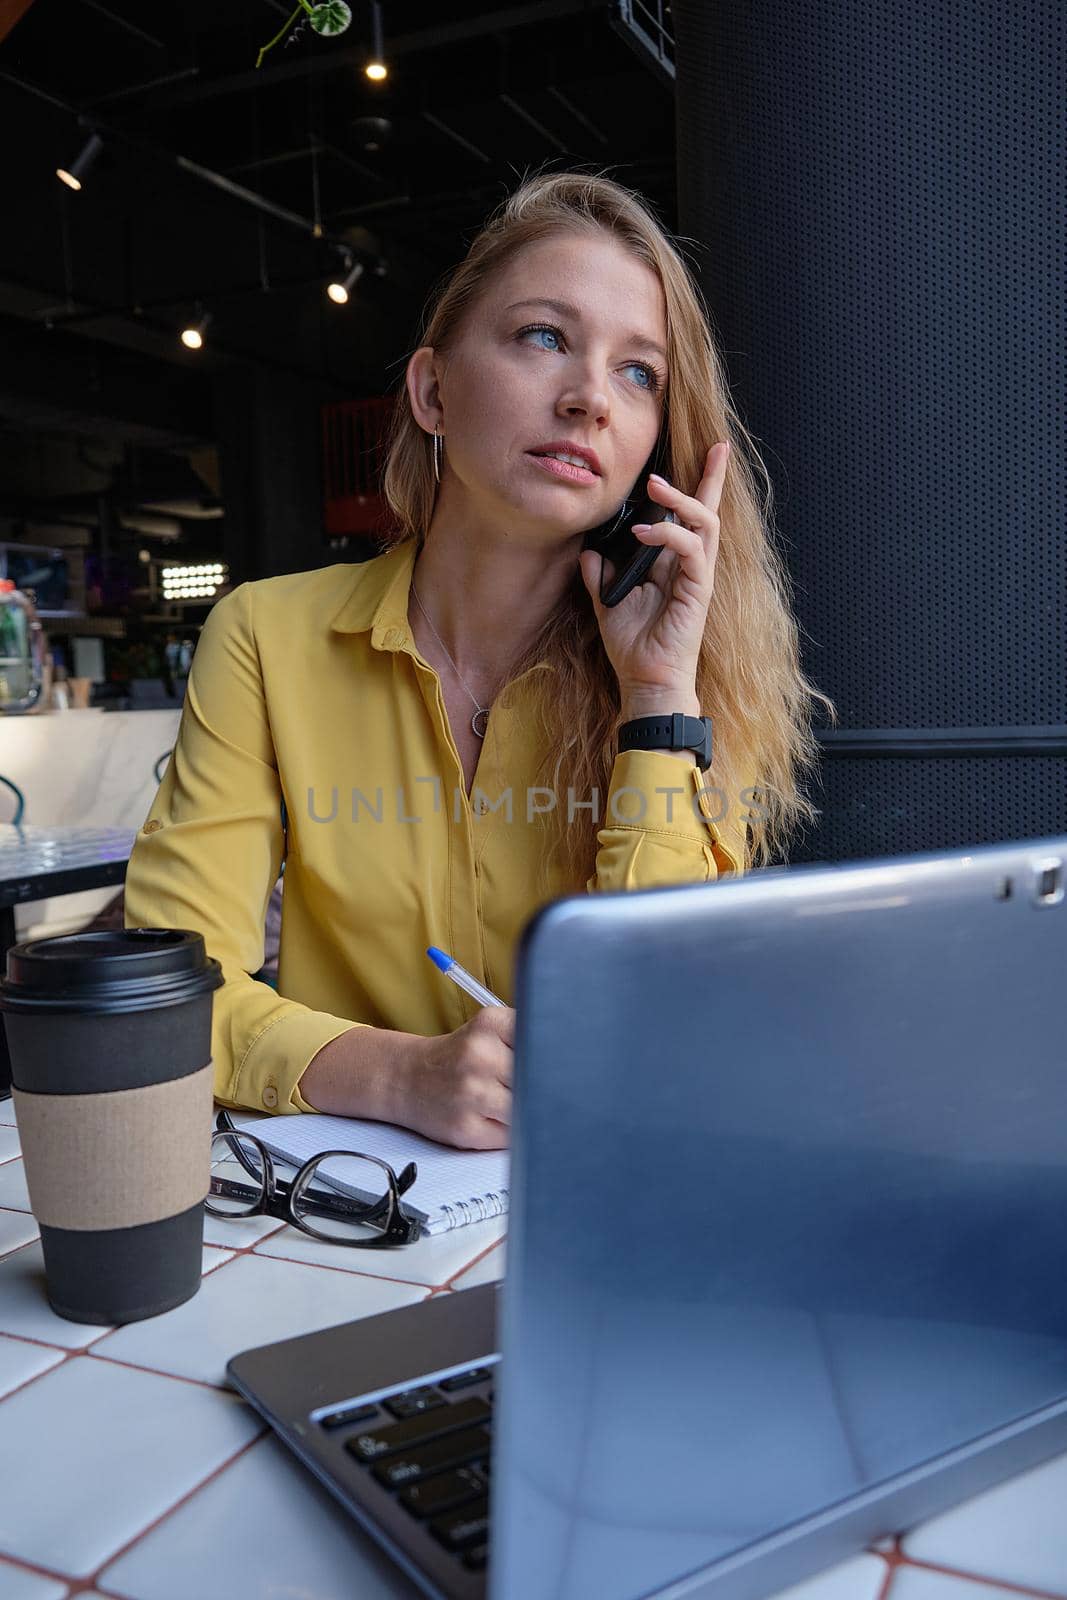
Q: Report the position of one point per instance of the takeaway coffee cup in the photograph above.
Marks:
(110, 1041)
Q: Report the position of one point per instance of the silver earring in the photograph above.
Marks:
(438, 452)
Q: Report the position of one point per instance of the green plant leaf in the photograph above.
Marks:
(331, 17)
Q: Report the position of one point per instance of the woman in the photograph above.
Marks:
(441, 721)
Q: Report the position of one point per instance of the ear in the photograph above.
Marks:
(422, 379)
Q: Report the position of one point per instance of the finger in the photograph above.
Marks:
(695, 514)
(694, 558)
(497, 1019)
(672, 536)
(496, 1104)
(596, 572)
(491, 1135)
(501, 1021)
(709, 491)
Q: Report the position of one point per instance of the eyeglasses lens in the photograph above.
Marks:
(237, 1176)
(344, 1197)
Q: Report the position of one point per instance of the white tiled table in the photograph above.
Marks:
(127, 1469)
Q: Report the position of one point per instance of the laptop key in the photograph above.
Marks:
(476, 1557)
(414, 1401)
(443, 1493)
(464, 1380)
(342, 1419)
(425, 1459)
(386, 1441)
(469, 1525)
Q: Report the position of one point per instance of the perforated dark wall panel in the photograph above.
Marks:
(879, 199)
(895, 806)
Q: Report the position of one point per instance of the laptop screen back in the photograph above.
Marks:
(789, 1203)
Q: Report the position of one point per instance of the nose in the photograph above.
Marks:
(585, 399)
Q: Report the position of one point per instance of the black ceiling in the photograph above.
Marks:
(477, 96)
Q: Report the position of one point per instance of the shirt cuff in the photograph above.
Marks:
(277, 1059)
(654, 792)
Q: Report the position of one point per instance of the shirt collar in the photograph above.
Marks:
(378, 598)
(378, 601)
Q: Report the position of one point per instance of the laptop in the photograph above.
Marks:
(787, 1254)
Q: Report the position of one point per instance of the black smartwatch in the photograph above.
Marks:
(674, 731)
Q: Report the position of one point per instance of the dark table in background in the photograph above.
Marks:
(40, 863)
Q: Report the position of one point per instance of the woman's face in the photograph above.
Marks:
(589, 371)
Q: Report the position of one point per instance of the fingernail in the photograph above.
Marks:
(641, 527)
(654, 477)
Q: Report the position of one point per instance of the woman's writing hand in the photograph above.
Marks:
(653, 636)
(457, 1086)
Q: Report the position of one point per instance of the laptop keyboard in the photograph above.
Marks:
(429, 1447)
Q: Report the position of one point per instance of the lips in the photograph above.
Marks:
(565, 471)
(567, 448)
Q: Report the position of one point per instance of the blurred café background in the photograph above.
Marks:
(211, 273)
(210, 279)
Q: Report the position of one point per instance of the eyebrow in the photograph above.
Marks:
(637, 340)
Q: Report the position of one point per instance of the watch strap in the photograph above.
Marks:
(672, 731)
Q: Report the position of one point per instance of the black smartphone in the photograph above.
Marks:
(615, 540)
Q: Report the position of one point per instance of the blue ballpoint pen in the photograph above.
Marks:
(460, 975)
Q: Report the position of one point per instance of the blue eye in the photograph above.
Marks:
(640, 365)
(654, 380)
(551, 331)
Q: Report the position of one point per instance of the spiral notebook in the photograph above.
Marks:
(453, 1187)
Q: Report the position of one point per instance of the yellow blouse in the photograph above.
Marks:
(309, 688)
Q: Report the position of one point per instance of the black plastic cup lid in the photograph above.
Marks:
(129, 969)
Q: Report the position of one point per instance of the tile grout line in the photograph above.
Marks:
(21, 1565)
(893, 1560)
(35, 1377)
(1006, 1584)
(351, 1272)
(298, 1261)
(472, 1264)
(67, 1356)
(24, 1245)
(155, 1372)
(116, 1555)
(63, 1349)
(82, 1585)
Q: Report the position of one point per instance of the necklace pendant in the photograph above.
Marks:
(475, 719)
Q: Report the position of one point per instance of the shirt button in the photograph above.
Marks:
(270, 1097)
(151, 827)
(392, 636)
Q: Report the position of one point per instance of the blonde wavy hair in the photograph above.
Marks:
(749, 679)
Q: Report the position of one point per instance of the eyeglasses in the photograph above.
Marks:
(339, 1196)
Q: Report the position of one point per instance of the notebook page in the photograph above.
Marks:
(453, 1186)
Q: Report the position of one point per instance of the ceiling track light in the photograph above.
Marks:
(338, 290)
(376, 68)
(72, 176)
(193, 334)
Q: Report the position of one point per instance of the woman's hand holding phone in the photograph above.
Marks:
(653, 635)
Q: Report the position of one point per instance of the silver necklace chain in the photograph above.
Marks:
(482, 711)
